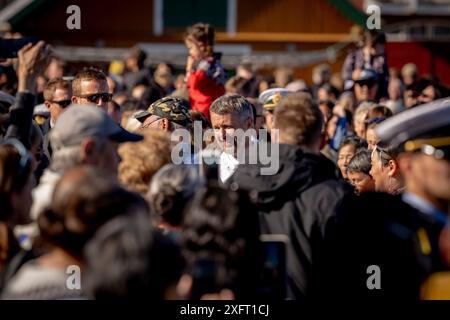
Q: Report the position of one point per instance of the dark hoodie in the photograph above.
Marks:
(297, 201)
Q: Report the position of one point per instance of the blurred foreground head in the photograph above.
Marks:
(127, 258)
(83, 200)
(221, 244)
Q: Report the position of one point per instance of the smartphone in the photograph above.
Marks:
(273, 277)
(10, 47)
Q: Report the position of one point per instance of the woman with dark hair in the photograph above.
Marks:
(358, 172)
(347, 150)
(221, 246)
(16, 181)
(83, 200)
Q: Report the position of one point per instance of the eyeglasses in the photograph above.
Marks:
(95, 98)
(63, 103)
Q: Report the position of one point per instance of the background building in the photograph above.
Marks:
(270, 33)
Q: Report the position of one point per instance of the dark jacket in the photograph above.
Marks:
(21, 115)
(297, 201)
(380, 230)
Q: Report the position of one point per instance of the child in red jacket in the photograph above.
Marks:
(204, 72)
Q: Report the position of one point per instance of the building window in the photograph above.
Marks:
(175, 15)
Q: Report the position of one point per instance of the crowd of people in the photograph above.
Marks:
(88, 179)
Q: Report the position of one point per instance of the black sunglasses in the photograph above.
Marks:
(95, 98)
(63, 103)
(368, 83)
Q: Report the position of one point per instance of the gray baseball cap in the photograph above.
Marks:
(80, 121)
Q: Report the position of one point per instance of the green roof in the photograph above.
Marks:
(350, 11)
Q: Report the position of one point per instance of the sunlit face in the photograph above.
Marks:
(60, 95)
(225, 126)
(371, 138)
(90, 87)
(360, 127)
(379, 173)
(196, 50)
(346, 153)
(361, 182)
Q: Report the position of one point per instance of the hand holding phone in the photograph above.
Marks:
(9, 48)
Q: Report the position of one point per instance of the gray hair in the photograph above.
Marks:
(360, 162)
(232, 104)
(170, 190)
(67, 157)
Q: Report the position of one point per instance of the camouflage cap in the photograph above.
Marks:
(172, 108)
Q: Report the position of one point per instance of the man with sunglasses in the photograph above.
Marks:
(366, 86)
(57, 97)
(90, 86)
(82, 135)
(401, 234)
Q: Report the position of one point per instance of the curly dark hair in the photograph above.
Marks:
(201, 33)
(221, 242)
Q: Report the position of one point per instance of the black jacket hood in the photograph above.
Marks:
(298, 170)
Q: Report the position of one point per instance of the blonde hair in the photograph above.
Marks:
(141, 160)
